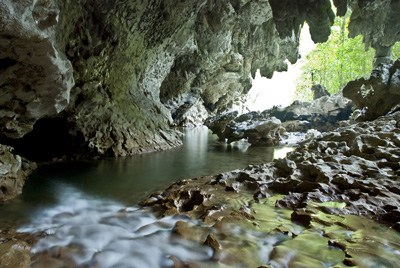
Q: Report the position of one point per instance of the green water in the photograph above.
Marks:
(130, 180)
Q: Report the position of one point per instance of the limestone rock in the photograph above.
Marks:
(14, 170)
(257, 129)
(35, 76)
(319, 91)
(378, 94)
(322, 114)
(15, 249)
(378, 22)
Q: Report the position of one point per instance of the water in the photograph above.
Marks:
(90, 216)
(130, 180)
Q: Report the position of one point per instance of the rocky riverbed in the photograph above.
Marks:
(333, 202)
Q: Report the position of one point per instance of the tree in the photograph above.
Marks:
(336, 62)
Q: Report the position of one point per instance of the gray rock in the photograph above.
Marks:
(319, 91)
(14, 170)
(35, 76)
(378, 94)
(257, 129)
(322, 114)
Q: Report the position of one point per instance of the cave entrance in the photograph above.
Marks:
(280, 89)
(49, 139)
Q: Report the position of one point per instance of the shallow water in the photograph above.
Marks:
(130, 180)
(90, 216)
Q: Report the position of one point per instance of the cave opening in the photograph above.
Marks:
(49, 139)
(280, 89)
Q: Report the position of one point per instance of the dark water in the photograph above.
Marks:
(90, 215)
(130, 180)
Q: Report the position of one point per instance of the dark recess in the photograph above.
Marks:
(49, 139)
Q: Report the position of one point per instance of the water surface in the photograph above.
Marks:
(130, 180)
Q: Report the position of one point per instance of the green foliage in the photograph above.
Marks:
(396, 51)
(335, 63)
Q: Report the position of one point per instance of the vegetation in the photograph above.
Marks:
(336, 62)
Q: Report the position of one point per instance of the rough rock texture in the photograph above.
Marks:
(267, 128)
(14, 170)
(131, 58)
(319, 91)
(378, 94)
(357, 165)
(378, 22)
(289, 15)
(322, 114)
(257, 129)
(35, 77)
(15, 249)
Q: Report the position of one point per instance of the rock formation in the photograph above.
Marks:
(267, 128)
(357, 165)
(322, 114)
(319, 91)
(378, 94)
(378, 23)
(255, 128)
(115, 75)
(14, 170)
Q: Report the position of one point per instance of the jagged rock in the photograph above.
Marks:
(289, 15)
(257, 129)
(378, 94)
(377, 22)
(15, 249)
(319, 91)
(187, 109)
(356, 166)
(35, 76)
(322, 114)
(14, 170)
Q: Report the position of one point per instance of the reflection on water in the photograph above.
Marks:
(130, 180)
(82, 207)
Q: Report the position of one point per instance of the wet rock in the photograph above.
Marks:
(15, 249)
(14, 170)
(376, 95)
(257, 129)
(213, 243)
(301, 216)
(322, 114)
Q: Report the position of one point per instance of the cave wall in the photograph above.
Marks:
(116, 71)
(118, 74)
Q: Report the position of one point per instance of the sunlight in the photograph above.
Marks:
(280, 89)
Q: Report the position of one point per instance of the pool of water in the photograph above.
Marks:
(130, 180)
(89, 213)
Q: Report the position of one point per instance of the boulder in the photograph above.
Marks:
(323, 114)
(14, 170)
(378, 94)
(255, 128)
(319, 91)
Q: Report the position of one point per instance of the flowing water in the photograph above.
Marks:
(89, 213)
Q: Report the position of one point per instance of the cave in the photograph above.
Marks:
(150, 98)
(50, 139)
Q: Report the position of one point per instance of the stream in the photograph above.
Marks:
(90, 216)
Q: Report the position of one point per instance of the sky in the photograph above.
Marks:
(279, 90)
